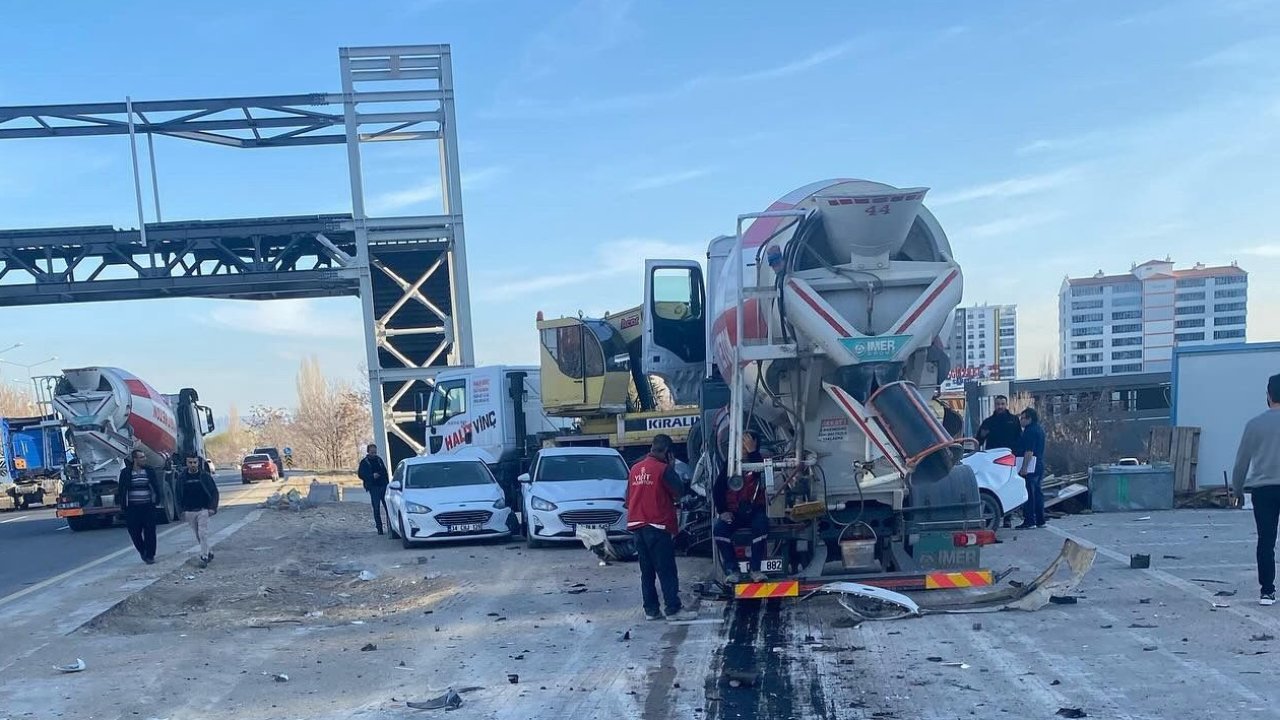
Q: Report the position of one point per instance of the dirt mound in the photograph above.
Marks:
(314, 567)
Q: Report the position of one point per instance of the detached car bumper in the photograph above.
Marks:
(458, 525)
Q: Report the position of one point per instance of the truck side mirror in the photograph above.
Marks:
(525, 478)
(395, 485)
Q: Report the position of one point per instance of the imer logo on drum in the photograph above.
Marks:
(669, 423)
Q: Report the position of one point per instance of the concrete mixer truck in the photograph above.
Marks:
(108, 413)
(820, 321)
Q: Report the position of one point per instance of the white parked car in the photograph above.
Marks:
(446, 497)
(574, 487)
(999, 484)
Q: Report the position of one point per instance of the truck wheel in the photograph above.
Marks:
(80, 524)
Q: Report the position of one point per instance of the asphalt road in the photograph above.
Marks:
(35, 545)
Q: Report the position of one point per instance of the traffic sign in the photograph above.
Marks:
(288, 452)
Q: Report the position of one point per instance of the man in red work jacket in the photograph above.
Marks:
(653, 489)
(741, 508)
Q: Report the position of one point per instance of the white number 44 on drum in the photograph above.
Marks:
(877, 210)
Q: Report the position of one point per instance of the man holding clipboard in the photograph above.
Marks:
(1031, 468)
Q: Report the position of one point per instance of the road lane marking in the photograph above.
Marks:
(1174, 581)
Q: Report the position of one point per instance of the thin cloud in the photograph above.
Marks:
(586, 30)
(1006, 226)
(1268, 250)
(1247, 53)
(283, 318)
(821, 57)
(430, 190)
(613, 260)
(1012, 187)
(654, 182)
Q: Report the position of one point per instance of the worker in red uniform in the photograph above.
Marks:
(653, 489)
(745, 507)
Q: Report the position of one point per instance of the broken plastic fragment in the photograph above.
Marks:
(449, 700)
(883, 605)
(367, 575)
(74, 667)
(1071, 713)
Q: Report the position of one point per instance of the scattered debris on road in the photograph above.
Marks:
(449, 700)
(1138, 561)
(870, 603)
(369, 647)
(74, 667)
(1071, 713)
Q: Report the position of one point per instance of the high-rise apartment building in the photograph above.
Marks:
(1130, 323)
(984, 343)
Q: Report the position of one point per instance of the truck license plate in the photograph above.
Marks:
(593, 526)
(466, 528)
(771, 565)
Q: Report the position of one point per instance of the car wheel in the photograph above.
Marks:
(530, 540)
(391, 529)
(992, 513)
(404, 539)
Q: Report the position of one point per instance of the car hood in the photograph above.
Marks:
(432, 497)
(575, 490)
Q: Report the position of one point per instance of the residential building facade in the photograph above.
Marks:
(984, 343)
(1130, 323)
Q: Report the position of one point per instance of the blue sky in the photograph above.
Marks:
(1058, 138)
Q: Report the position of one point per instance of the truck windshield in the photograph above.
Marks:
(446, 474)
(581, 467)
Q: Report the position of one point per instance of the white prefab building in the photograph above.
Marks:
(1131, 323)
(1218, 389)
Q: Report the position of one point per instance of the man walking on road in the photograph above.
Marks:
(373, 475)
(138, 495)
(1257, 472)
(1002, 429)
(1031, 468)
(199, 500)
(653, 489)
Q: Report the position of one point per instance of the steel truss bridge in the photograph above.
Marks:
(409, 271)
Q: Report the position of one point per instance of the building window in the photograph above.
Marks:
(1229, 293)
(1086, 291)
(1189, 323)
(1086, 371)
(1227, 307)
(1127, 355)
(1229, 280)
(1123, 342)
(1191, 282)
(1131, 287)
(1126, 301)
(1087, 358)
(1189, 296)
(1086, 304)
(1229, 320)
(1189, 337)
(1087, 317)
(1227, 334)
(1130, 328)
(1083, 331)
(1127, 315)
(1131, 367)
(1189, 310)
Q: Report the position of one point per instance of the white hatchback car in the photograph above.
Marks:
(574, 487)
(1001, 488)
(446, 497)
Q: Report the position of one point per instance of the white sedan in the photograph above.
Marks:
(446, 497)
(1001, 488)
(574, 487)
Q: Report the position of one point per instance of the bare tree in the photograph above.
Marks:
(16, 402)
(332, 418)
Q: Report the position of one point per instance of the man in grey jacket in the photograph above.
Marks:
(1257, 472)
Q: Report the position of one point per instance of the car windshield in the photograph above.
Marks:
(446, 474)
(559, 468)
(256, 458)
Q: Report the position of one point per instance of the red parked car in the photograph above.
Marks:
(258, 467)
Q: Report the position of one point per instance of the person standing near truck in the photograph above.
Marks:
(373, 475)
(138, 495)
(198, 495)
(1257, 472)
(1031, 468)
(1002, 429)
(653, 489)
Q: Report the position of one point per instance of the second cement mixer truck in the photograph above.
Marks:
(109, 413)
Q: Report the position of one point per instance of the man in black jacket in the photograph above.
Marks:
(198, 498)
(373, 475)
(1002, 429)
(138, 495)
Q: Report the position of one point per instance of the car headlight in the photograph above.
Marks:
(416, 508)
(540, 504)
(499, 504)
